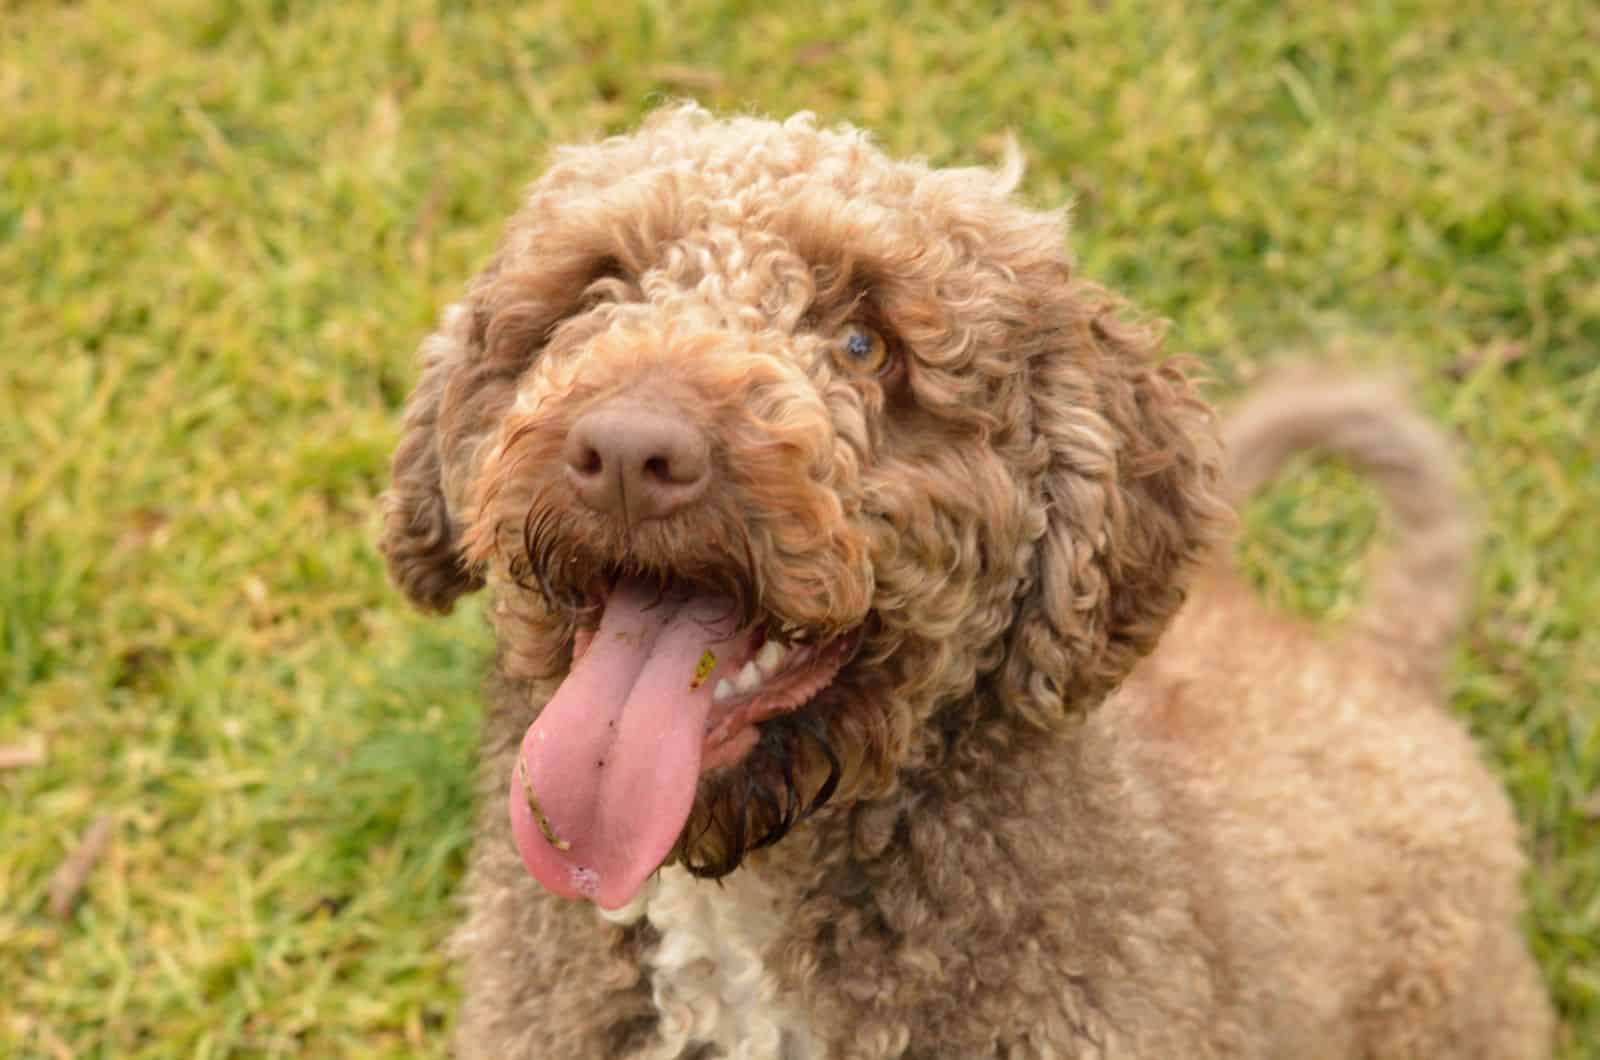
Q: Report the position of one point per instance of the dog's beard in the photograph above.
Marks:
(790, 773)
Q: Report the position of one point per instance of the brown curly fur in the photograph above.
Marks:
(1261, 844)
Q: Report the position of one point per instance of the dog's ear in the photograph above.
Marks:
(1128, 499)
(420, 537)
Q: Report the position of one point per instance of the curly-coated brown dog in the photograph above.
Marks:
(829, 517)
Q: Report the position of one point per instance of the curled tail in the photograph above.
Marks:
(1417, 595)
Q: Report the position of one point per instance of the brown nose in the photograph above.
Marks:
(637, 461)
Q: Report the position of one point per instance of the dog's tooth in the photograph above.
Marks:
(723, 691)
(749, 679)
(770, 656)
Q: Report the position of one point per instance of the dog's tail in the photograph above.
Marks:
(1417, 595)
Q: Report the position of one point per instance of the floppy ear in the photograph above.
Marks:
(420, 538)
(1128, 499)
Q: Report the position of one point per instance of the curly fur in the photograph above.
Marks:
(1259, 845)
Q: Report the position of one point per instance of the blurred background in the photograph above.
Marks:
(235, 771)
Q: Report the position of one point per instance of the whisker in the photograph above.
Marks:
(735, 854)
(751, 582)
(813, 727)
(768, 803)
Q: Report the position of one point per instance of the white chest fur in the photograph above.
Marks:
(710, 984)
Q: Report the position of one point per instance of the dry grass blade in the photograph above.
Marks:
(66, 884)
(688, 77)
(22, 755)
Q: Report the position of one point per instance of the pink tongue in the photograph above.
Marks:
(614, 758)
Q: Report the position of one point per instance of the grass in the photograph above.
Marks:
(225, 226)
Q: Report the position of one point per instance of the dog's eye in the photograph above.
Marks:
(861, 349)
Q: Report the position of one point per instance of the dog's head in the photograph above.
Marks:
(783, 454)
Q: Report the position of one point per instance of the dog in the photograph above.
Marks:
(871, 681)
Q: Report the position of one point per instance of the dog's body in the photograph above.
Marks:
(1263, 845)
(1255, 842)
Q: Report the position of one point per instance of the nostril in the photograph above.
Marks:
(587, 461)
(659, 469)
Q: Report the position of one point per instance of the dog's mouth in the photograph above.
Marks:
(667, 684)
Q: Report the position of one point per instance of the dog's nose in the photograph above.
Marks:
(637, 461)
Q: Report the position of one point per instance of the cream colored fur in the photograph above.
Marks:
(710, 981)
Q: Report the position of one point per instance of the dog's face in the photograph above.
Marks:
(776, 451)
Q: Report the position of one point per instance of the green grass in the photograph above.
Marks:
(225, 226)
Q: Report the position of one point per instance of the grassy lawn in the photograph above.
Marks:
(225, 226)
